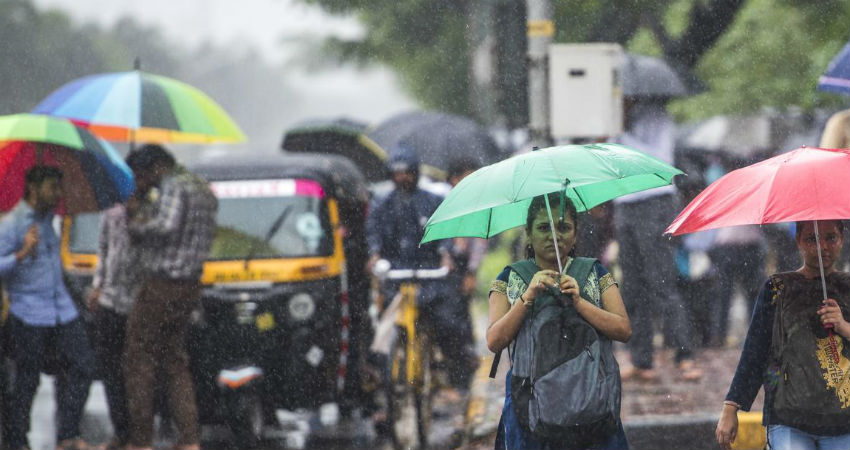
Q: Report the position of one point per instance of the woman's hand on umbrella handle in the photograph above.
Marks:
(727, 427)
(540, 282)
(831, 317)
(569, 287)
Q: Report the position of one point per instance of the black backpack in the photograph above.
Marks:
(808, 384)
(565, 383)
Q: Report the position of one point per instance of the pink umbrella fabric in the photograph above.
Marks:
(804, 184)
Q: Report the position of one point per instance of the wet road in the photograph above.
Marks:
(302, 430)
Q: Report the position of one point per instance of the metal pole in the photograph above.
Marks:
(820, 261)
(540, 29)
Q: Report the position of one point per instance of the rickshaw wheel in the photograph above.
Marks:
(400, 397)
(247, 421)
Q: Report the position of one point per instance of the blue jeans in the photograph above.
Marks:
(782, 437)
(29, 346)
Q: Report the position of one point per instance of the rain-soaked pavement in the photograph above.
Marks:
(643, 403)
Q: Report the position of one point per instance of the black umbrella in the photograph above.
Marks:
(339, 137)
(647, 76)
(438, 138)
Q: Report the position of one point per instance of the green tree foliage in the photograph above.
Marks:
(749, 53)
(771, 56)
(425, 42)
(39, 53)
(43, 50)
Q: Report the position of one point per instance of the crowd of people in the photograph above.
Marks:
(146, 285)
(152, 249)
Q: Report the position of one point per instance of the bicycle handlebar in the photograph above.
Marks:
(400, 274)
(383, 272)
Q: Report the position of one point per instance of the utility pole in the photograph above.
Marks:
(540, 29)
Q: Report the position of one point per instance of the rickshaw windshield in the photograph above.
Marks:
(247, 212)
(271, 219)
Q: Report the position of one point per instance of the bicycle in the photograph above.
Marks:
(408, 379)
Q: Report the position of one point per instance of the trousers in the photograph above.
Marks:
(156, 340)
(649, 284)
(30, 345)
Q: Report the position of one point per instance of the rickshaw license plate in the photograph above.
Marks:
(245, 312)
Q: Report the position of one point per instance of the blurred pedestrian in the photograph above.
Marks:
(788, 349)
(739, 255)
(174, 241)
(467, 254)
(114, 288)
(43, 318)
(836, 132)
(646, 257)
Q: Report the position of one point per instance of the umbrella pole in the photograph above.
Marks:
(554, 236)
(820, 261)
(832, 343)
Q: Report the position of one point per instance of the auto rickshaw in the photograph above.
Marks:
(283, 297)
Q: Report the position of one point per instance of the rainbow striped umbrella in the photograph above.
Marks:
(140, 107)
(94, 175)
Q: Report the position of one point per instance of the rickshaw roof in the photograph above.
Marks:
(337, 175)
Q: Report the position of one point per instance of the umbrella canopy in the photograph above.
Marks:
(94, 175)
(138, 106)
(339, 137)
(437, 138)
(804, 184)
(496, 197)
(647, 76)
(836, 78)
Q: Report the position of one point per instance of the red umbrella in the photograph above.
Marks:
(804, 184)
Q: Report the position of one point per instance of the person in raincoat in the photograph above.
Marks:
(511, 299)
(789, 328)
(394, 228)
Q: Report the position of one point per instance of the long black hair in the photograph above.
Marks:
(539, 204)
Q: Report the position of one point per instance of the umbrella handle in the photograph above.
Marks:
(554, 236)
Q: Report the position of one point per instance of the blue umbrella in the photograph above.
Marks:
(837, 75)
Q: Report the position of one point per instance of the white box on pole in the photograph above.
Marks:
(585, 90)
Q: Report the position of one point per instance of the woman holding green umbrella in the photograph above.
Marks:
(515, 192)
(597, 300)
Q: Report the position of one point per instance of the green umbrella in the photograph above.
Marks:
(495, 198)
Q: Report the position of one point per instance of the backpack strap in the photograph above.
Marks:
(579, 269)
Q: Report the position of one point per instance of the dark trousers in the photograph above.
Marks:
(649, 284)
(156, 339)
(29, 346)
(108, 337)
(736, 264)
(442, 307)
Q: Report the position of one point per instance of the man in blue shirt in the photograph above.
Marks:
(42, 317)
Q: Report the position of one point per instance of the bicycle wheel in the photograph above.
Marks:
(399, 396)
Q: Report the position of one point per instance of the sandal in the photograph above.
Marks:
(113, 444)
(76, 443)
(688, 371)
(638, 374)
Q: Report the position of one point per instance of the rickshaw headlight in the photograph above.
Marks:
(301, 306)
